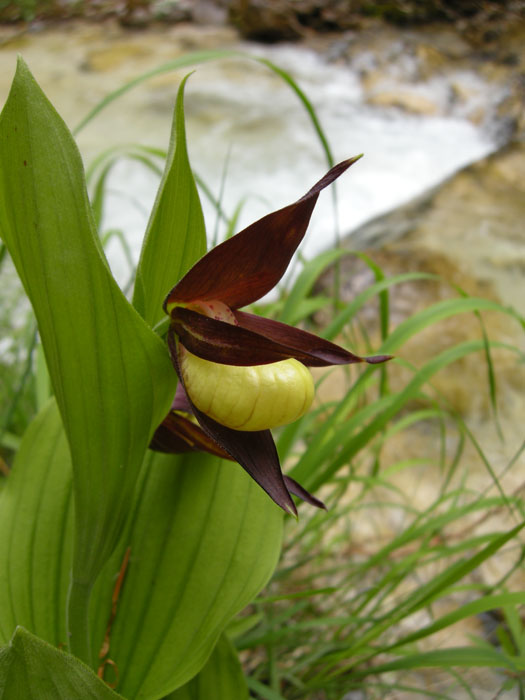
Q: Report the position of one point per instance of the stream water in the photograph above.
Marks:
(239, 111)
(244, 119)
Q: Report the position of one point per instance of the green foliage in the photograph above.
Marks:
(221, 677)
(364, 632)
(195, 561)
(193, 539)
(30, 668)
(36, 552)
(91, 335)
(164, 256)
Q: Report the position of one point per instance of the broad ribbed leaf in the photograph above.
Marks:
(31, 669)
(176, 236)
(110, 373)
(221, 678)
(203, 542)
(36, 526)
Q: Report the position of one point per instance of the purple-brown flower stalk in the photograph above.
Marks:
(241, 374)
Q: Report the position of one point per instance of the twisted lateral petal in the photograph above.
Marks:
(254, 451)
(248, 265)
(294, 487)
(255, 341)
(317, 352)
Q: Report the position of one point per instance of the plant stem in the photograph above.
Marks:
(78, 620)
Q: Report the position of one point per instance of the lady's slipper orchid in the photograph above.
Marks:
(241, 374)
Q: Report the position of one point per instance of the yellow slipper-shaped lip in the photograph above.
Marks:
(248, 398)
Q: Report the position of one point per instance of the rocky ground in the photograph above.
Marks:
(273, 20)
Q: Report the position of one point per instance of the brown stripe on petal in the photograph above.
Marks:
(165, 440)
(221, 342)
(256, 341)
(247, 266)
(306, 347)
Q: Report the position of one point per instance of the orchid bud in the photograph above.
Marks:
(248, 398)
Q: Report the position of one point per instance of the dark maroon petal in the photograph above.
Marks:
(222, 342)
(181, 401)
(319, 352)
(254, 451)
(248, 265)
(166, 440)
(294, 487)
(179, 434)
(255, 341)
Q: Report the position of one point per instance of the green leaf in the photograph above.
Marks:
(111, 374)
(304, 283)
(99, 169)
(176, 236)
(35, 522)
(31, 668)
(204, 540)
(445, 658)
(222, 677)
(350, 310)
(476, 607)
(263, 691)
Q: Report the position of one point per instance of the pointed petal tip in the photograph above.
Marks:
(288, 510)
(244, 268)
(299, 491)
(378, 359)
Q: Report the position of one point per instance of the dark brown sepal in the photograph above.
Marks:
(297, 490)
(317, 352)
(247, 266)
(177, 434)
(256, 453)
(255, 341)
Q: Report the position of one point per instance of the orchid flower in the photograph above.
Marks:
(241, 374)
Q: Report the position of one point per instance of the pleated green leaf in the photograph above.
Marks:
(36, 519)
(110, 373)
(176, 236)
(204, 540)
(32, 669)
(221, 678)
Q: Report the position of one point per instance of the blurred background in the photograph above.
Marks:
(433, 93)
(423, 89)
